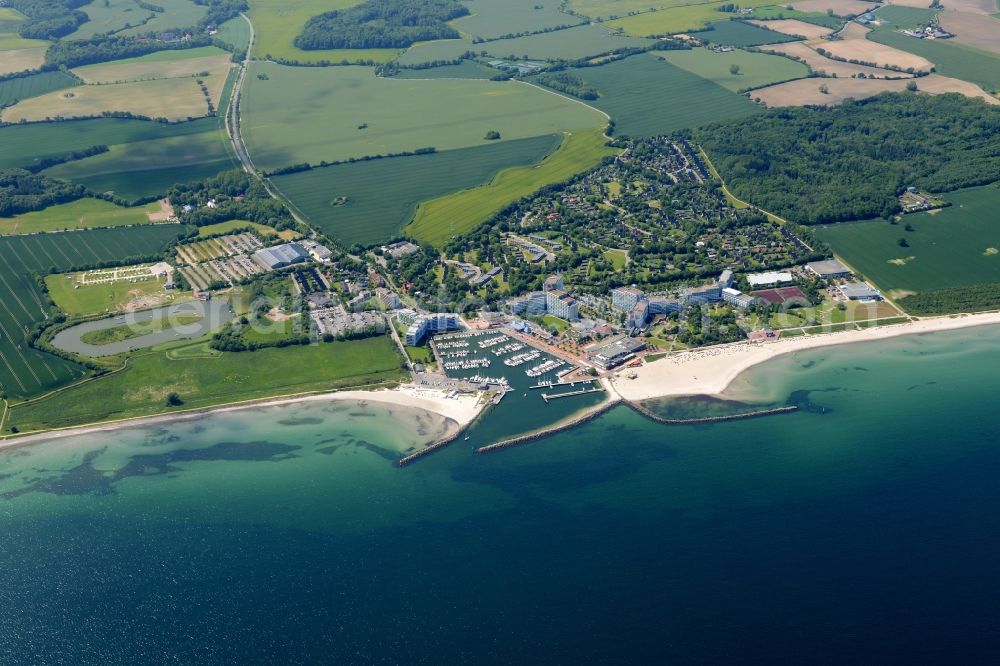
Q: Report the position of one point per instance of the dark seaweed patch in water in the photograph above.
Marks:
(808, 364)
(700, 407)
(300, 420)
(364, 414)
(803, 400)
(328, 450)
(916, 386)
(85, 479)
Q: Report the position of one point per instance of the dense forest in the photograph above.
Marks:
(569, 84)
(382, 24)
(852, 161)
(22, 191)
(49, 19)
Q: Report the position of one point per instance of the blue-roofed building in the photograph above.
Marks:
(280, 256)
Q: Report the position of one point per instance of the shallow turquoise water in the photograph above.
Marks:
(863, 528)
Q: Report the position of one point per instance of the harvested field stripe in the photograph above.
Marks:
(14, 295)
(20, 354)
(15, 374)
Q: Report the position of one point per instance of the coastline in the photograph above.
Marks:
(710, 371)
(460, 409)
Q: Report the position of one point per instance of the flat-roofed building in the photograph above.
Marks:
(424, 325)
(829, 268)
(625, 298)
(660, 305)
(616, 351)
(533, 303)
(860, 291)
(726, 278)
(553, 283)
(769, 279)
(280, 256)
(737, 298)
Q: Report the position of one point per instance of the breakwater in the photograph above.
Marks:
(656, 418)
(545, 432)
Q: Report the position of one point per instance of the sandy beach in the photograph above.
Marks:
(709, 371)
(461, 409)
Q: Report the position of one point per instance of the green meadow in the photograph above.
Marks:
(79, 214)
(646, 96)
(315, 114)
(901, 16)
(755, 69)
(676, 19)
(203, 381)
(176, 14)
(110, 16)
(952, 247)
(370, 202)
(235, 32)
(783, 12)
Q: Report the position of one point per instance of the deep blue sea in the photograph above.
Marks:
(862, 529)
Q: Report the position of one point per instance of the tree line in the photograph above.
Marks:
(22, 191)
(49, 19)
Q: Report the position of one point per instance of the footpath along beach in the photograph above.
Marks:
(710, 371)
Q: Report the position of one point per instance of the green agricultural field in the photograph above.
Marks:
(741, 34)
(755, 69)
(371, 212)
(646, 96)
(497, 18)
(437, 221)
(80, 214)
(571, 44)
(901, 16)
(12, 42)
(25, 145)
(677, 19)
(783, 12)
(26, 87)
(10, 19)
(949, 58)
(437, 51)
(312, 114)
(235, 32)
(146, 168)
(25, 371)
(953, 247)
(157, 65)
(95, 299)
(142, 388)
(617, 8)
(279, 22)
(110, 16)
(177, 14)
(467, 69)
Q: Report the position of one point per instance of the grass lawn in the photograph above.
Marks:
(642, 95)
(438, 220)
(233, 225)
(420, 355)
(350, 202)
(106, 336)
(97, 298)
(677, 19)
(560, 325)
(952, 247)
(279, 22)
(79, 214)
(267, 331)
(618, 258)
(755, 69)
(141, 389)
(312, 114)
